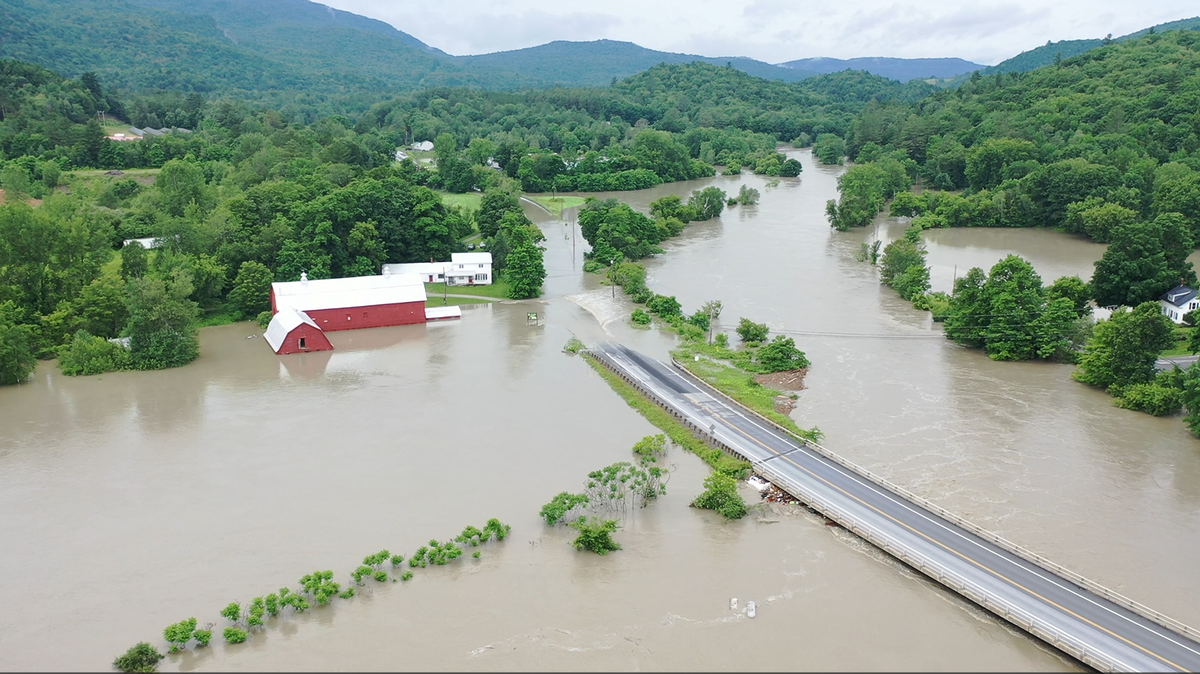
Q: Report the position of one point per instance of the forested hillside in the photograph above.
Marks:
(295, 55)
(596, 63)
(1104, 145)
(1048, 53)
(891, 68)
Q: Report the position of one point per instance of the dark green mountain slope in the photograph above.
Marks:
(891, 68)
(313, 38)
(1047, 53)
(596, 63)
(231, 47)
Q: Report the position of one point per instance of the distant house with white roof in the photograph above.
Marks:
(1178, 302)
(463, 269)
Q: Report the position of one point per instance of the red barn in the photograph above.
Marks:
(294, 331)
(354, 302)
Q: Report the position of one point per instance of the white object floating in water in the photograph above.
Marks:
(733, 603)
(750, 610)
(758, 483)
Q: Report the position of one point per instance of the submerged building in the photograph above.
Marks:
(324, 305)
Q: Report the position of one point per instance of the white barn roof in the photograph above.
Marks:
(282, 324)
(471, 258)
(355, 291)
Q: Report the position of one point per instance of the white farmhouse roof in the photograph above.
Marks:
(354, 291)
(415, 268)
(471, 258)
(283, 323)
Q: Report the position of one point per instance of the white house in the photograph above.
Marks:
(469, 269)
(463, 269)
(422, 146)
(1177, 302)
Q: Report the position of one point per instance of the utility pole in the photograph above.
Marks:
(612, 277)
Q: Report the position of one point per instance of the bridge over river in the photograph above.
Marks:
(1084, 619)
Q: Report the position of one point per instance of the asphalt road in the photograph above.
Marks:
(1184, 362)
(1105, 631)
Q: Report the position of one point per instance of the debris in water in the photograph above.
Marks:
(733, 603)
(750, 609)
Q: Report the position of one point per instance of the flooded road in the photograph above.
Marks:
(129, 501)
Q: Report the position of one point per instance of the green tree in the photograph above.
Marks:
(17, 361)
(1073, 289)
(1123, 349)
(707, 203)
(494, 205)
(480, 150)
(829, 148)
(1097, 218)
(135, 262)
(898, 257)
(751, 332)
(780, 355)
(1014, 302)
(179, 184)
(88, 355)
(525, 271)
(251, 293)
(161, 327)
(1135, 268)
(1190, 398)
(747, 196)
(721, 494)
(51, 172)
(15, 181)
(595, 535)
(141, 657)
(563, 503)
(970, 311)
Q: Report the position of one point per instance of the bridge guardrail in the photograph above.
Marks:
(1059, 638)
(1029, 556)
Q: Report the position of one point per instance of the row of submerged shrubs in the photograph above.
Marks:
(317, 588)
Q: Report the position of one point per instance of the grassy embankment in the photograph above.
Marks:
(498, 290)
(1182, 335)
(739, 385)
(555, 204)
(678, 433)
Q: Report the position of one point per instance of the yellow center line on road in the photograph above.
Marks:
(945, 547)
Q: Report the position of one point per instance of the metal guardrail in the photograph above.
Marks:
(1060, 639)
(1029, 556)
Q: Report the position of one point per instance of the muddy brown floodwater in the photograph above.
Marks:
(129, 501)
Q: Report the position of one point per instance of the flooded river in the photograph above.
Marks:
(129, 501)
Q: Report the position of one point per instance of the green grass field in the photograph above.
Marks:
(555, 204)
(469, 200)
(1182, 334)
(498, 290)
(439, 301)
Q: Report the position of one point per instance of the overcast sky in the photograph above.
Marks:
(773, 30)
